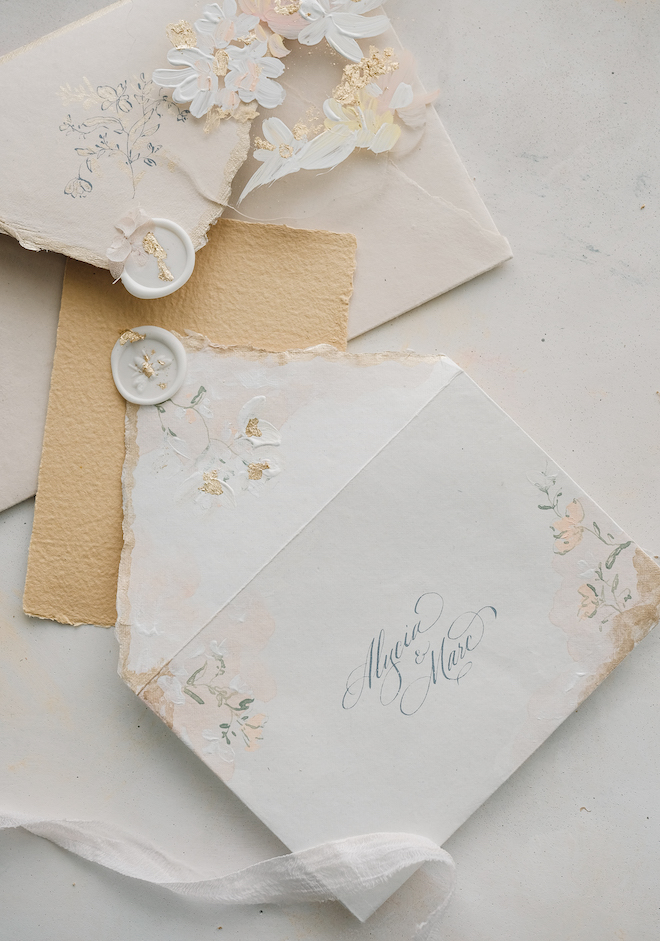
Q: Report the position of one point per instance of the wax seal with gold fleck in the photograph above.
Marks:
(148, 365)
(170, 261)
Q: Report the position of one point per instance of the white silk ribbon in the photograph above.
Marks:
(343, 869)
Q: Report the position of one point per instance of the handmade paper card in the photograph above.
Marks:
(357, 589)
(272, 285)
(143, 112)
(102, 139)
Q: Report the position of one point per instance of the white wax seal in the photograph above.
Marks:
(170, 262)
(148, 365)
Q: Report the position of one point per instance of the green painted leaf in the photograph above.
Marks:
(613, 555)
(596, 528)
(541, 507)
(224, 725)
(244, 703)
(194, 696)
(191, 679)
(198, 395)
(615, 583)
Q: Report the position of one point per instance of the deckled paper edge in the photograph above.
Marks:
(193, 343)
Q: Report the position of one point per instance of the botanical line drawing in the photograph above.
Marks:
(127, 117)
(603, 591)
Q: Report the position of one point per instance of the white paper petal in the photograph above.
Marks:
(359, 27)
(402, 97)
(312, 33)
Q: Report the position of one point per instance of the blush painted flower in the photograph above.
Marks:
(341, 23)
(282, 17)
(219, 25)
(251, 75)
(568, 532)
(252, 730)
(196, 82)
(589, 603)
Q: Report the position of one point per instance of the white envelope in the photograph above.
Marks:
(359, 591)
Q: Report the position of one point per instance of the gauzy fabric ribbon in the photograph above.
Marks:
(338, 870)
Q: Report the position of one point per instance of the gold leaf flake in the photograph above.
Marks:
(286, 150)
(162, 385)
(146, 367)
(220, 63)
(153, 247)
(253, 430)
(130, 336)
(287, 9)
(211, 484)
(215, 117)
(357, 75)
(181, 35)
(261, 144)
(256, 471)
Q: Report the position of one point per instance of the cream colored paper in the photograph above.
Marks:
(275, 286)
(87, 136)
(30, 289)
(428, 595)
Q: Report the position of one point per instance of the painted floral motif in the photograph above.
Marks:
(340, 23)
(360, 115)
(233, 700)
(123, 129)
(243, 461)
(602, 592)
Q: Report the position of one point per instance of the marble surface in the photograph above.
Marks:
(554, 110)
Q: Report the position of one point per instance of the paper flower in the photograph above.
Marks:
(133, 227)
(196, 82)
(220, 25)
(251, 73)
(340, 23)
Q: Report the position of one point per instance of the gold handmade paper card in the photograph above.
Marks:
(272, 285)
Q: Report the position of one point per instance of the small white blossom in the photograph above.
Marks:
(196, 82)
(341, 23)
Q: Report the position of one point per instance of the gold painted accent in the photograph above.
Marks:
(300, 130)
(261, 144)
(253, 430)
(146, 367)
(214, 118)
(130, 336)
(357, 75)
(211, 484)
(286, 150)
(153, 247)
(181, 35)
(220, 63)
(256, 471)
(287, 9)
(162, 385)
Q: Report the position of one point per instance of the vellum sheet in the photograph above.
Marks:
(87, 136)
(365, 617)
(265, 284)
(422, 227)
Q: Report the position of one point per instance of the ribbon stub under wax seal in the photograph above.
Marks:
(148, 365)
(169, 262)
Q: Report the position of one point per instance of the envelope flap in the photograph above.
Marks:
(249, 451)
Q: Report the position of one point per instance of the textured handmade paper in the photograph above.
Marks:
(424, 595)
(272, 286)
(87, 136)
